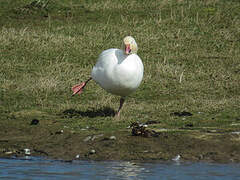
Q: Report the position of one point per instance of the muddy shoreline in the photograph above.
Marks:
(55, 142)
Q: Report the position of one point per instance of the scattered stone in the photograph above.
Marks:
(144, 125)
(34, 122)
(8, 152)
(27, 152)
(177, 158)
(59, 132)
(92, 137)
(235, 124)
(87, 138)
(92, 151)
(84, 129)
(237, 132)
(96, 136)
(112, 138)
(200, 157)
(180, 114)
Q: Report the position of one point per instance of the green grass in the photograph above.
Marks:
(190, 51)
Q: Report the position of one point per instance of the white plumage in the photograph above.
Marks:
(119, 72)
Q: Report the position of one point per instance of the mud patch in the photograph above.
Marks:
(142, 143)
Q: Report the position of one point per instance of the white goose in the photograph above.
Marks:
(119, 72)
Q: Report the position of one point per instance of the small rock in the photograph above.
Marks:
(77, 156)
(112, 138)
(27, 151)
(92, 151)
(9, 152)
(200, 157)
(235, 124)
(237, 132)
(87, 138)
(96, 136)
(59, 132)
(177, 158)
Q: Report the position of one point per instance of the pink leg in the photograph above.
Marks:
(120, 107)
(78, 89)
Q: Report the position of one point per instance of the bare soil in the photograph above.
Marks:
(48, 139)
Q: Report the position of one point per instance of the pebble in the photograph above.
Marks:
(59, 132)
(92, 137)
(235, 124)
(92, 151)
(77, 156)
(237, 132)
(96, 136)
(27, 151)
(9, 152)
(87, 138)
(177, 158)
(112, 138)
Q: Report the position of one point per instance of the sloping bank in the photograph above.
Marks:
(129, 144)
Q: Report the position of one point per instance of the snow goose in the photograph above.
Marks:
(118, 71)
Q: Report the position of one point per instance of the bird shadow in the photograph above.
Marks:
(103, 112)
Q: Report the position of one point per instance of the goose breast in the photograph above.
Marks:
(118, 73)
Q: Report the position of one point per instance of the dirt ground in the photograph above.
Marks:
(49, 140)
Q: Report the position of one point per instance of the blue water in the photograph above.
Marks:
(38, 168)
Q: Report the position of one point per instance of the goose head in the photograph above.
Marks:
(129, 45)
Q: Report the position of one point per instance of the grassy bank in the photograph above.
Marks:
(190, 51)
